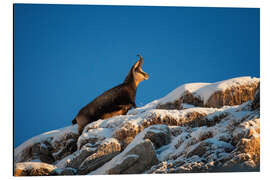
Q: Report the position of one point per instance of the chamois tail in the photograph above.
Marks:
(74, 121)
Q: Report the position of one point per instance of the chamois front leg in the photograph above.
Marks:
(126, 108)
(134, 105)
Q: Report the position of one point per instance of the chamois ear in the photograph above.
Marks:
(136, 65)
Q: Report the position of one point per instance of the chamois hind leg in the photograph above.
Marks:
(74, 121)
(82, 121)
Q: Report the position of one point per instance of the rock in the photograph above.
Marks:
(170, 105)
(138, 159)
(41, 151)
(246, 129)
(225, 93)
(246, 156)
(159, 135)
(199, 149)
(105, 152)
(67, 147)
(48, 147)
(93, 136)
(33, 169)
(65, 171)
(126, 162)
(194, 119)
(94, 162)
(189, 98)
(232, 96)
(186, 97)
(256, 102)
(126, 133)
(75, 160)
(232, 144)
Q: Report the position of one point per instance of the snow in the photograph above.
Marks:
(164, 152)
(64, 162)
(178, 92)
(98, 134)
(187, 106)
(147, 107)
(219, 144)
(199, 132)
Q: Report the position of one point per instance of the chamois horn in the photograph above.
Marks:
(141, 59)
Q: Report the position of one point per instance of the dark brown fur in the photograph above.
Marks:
(116, 101)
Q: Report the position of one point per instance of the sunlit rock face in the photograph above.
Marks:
(33, 169)
(225, 93)
(198, 127)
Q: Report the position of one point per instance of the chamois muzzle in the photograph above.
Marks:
(146, 76)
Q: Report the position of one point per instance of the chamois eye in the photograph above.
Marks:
(137, 70)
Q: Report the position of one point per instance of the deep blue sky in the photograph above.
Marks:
(66, 55)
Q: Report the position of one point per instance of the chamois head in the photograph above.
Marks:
(136, 73)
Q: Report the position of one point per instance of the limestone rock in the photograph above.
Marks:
(33, 169)
(65, 171)
(42, 151)
(105, 152)
(229, 92)
(75, 159)
(93, 162)
(128, 131)
(67, 147)
(232, 144)
(199, 149)
(136, 160)
(48, 147)
(232, 96)
(171, 105)
(256, 102)
(93, 136)
(159, 135)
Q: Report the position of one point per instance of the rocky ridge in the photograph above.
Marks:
(198, 127)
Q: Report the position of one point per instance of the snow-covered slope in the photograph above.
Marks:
(205, 91)
(53, 137)
(198, 135)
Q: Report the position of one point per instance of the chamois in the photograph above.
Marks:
(116, 101)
